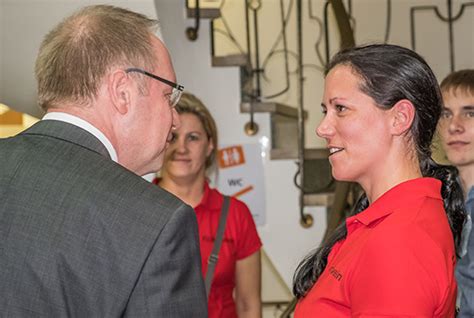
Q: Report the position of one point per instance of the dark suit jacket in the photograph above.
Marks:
(81, 236)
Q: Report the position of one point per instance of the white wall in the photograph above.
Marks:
(23, 26)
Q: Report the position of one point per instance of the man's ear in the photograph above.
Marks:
(119, 89)
(403, 114)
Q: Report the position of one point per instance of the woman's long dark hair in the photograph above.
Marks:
(389, 74)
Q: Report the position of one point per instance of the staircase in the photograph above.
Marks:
(318, 189)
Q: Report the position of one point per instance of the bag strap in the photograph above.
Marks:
(212, 260)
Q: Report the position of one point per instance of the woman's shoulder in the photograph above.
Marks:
(424, 230)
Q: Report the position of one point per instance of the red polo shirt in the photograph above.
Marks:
(240, 241)
(397, 260)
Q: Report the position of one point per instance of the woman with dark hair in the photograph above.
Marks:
(395, 255)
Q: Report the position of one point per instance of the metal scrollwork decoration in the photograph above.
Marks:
(450, 19)
(192, 32)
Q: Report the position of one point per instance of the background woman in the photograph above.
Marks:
(191, 152)
(395, 255)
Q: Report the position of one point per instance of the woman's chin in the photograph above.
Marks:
(339, 175)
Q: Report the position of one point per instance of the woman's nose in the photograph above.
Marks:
(181, 145)
(325, 128)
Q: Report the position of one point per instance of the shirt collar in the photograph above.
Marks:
(400, 195)
(470, 195)
(81, 123)
(211, 199)
(470, 201)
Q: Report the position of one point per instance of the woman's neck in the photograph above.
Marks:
(188, 190)
(395, 171)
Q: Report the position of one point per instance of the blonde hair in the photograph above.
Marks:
(75, 56)
(190, 104)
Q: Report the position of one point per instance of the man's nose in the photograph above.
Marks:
(456, 125)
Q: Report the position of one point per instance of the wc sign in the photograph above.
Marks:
(241, 176)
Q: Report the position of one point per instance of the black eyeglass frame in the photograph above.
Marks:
(175, 86)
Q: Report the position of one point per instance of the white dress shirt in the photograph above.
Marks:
(81, 123)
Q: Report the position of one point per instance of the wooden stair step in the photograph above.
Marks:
(319, 199)
(271, 107)
(205, 13)
(229, 60)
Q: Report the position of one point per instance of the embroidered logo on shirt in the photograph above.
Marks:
(335, 273)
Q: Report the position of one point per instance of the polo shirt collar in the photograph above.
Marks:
(398, 196)
(211, 199)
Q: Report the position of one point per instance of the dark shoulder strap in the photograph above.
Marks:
(212, 261)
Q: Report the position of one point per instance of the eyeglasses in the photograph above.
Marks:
(175, 93)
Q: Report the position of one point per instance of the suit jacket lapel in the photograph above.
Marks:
(69, 133)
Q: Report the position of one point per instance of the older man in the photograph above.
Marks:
(456, 128)
(81, 233)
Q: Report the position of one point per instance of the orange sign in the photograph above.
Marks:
(231, 156)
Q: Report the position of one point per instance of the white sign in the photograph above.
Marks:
(241, 176)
